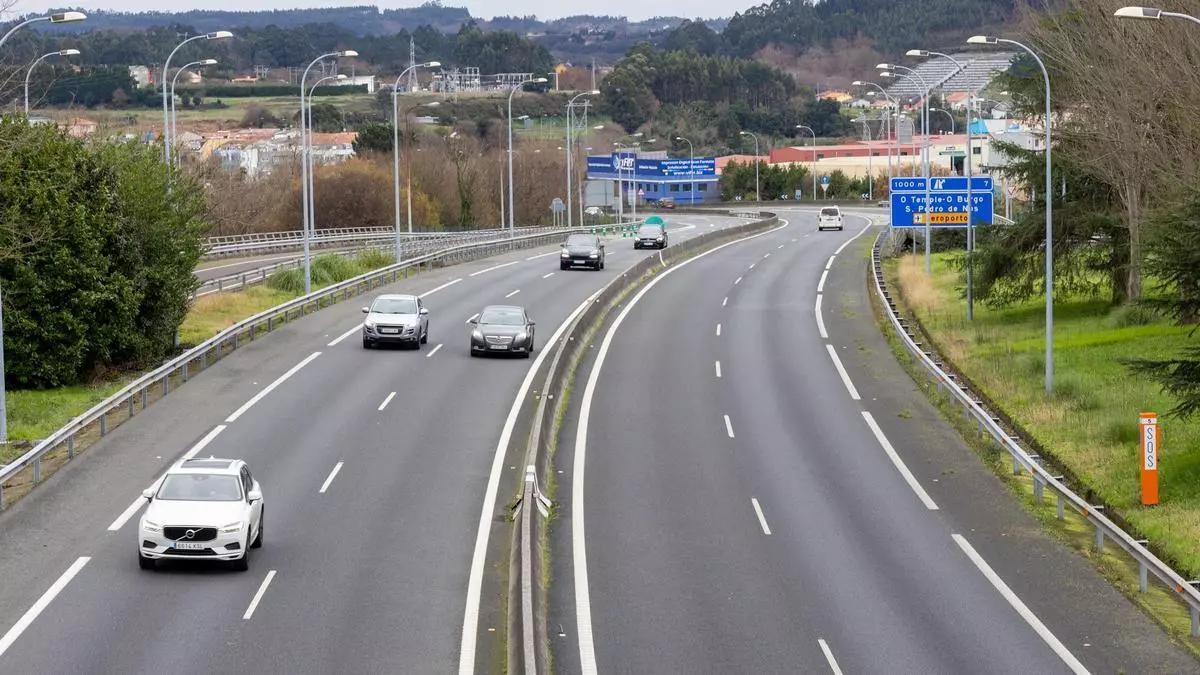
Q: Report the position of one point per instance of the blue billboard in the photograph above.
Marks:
(606, 166)
(948, 201)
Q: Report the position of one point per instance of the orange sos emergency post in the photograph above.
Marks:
(1151, 443)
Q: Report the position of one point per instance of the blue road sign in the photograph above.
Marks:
(948, 201)
(824, 180)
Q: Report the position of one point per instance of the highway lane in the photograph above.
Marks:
(369, 574)
(745, 516)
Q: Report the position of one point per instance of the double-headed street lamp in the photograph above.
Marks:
(175, 79)
(306, 163)
(62, 52)
(620, 172)
(64, 17)
(1150, 13)
(215, 35)
(893, 104)
(1049, 192)
(570, 142)
(408, 189)
(396, 147)
(312, 193)
(691, 169)
(810, 130)
(889, 70)
(948, 114)
(512, 195)
(757, 193)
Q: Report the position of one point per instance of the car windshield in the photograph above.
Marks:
(201, 487)
(580, 240)
(394, 306)
(503, 317)
(830, 211)
(649, 231)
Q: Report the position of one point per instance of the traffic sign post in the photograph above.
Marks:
(948, 202)
(825, 186)
(1151, 442)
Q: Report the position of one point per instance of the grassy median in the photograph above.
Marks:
(1089, 425)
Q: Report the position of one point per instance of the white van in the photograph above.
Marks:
(830, 218)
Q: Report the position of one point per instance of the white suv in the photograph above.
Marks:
(830, 218)
(208, 509)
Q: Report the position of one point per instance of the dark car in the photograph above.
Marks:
(666, 203)
(650, 236)
(582, 250)
(502, 329)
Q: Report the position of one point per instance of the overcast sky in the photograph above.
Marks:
(634, 9)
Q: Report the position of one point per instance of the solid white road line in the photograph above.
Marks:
(737, 281)
(271, 387)
(472, 317)
(728, 426)
(718, 365)
(821, 283)
(433, 351)
(820, 319)
(837, 363)
(752, 265)
(513, 293)
(334, 342)
(140, 501)
(41, 604)
(718, 330)
(847, 242)
(435, 289)
(725, 301)
(583, 598)
(494, 267)
(386, 401)
(830, 263)
(542, 255)
(762, 520)
(1030, 618)
(470, 629)
(547, 276)
(258, 596)
(899, 463)
(332, 474)
(833, 664)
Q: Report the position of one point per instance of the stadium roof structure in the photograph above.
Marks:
(939, 73)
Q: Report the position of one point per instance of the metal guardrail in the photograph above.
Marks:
(148, 388)
(973, 406)
(260, 242)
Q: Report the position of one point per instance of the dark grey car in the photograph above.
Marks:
(582, 250)
(650, 236)
(502, 329)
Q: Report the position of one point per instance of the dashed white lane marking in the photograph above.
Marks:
(258, 596)
(833, 664)
(718, 367)
(820, 319)
(547, 276)
(435, 289)
(830, 263)
(334, 342)
(762, 520)
(138, 503)
(433, 351)
(718, 330)
(899, 463)
(728, 426)
(752, 265)
(737, 281)
(837, 363)
(42, 603)
(387, 400)
(766, 255)
(725, 301)
(1030, 618)
(494, 267)
(472, 317)
(821, 283)
(271, 387)
(541, 255)
(513, 293)
(332, 474)
(781, 246)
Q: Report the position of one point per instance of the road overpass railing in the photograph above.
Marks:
(974, 407)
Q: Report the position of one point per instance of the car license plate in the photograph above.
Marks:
(189, 545)
(498, 346)
(389, 331)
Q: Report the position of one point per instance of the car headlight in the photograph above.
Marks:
(369, 325)
(477, 335)
(660, 238)
(594, 254)
(151, 527)
(564, 254)
(520, 337)
(232, 528)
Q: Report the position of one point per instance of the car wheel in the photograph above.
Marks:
(563, 266)
(366, 343)
(242, 564)
(258, 538)
(425, 336)
(146, 563)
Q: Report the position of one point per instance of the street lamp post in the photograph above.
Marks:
(408, 185)
(1150, 13)
(312, 192)
(1049, 197)
(215, 35)
(691, 168)
(870, 174)
(814, 158)
(570, 141)
(396, 147)
(306, 164)
(757, 192)
(947, 114)
(891, 68)
(64, 17)
(63, 52)
(892, 103)
(512, 195)
(175, 79)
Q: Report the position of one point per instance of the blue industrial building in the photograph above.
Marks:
(653, 178)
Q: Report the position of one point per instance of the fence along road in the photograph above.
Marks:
(371, 573)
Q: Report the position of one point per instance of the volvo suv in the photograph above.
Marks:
(202, 509)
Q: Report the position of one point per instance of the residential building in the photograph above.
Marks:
(142, 75)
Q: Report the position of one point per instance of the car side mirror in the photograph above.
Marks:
(148, 494)
(424, 310)
(254, 496)
(366, 310)
(474, 322)
(532, 323)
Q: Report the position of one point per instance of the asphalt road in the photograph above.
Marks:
(746, 488)
(372, 500)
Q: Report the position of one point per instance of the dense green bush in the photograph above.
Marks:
(97, 247)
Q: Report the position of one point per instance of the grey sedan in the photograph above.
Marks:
(502, 329)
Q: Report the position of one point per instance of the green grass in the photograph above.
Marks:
(34, 414)
(1089, 424)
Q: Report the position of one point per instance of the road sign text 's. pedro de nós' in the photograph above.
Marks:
(1151, 445)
